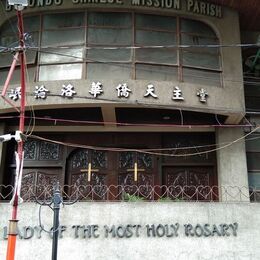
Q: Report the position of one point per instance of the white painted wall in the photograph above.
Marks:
(244, 246)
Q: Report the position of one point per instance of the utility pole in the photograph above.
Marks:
(12, 231)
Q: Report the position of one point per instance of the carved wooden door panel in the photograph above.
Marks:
(87, 174)
(40, 182)
(190, 183)
(42, 169)
(137, 182)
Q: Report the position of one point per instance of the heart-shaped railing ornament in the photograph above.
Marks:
(231, 192)
(44, 193)
(142, 192)
(99, 192)
(84, 192)
(160, 191)
(175, 192)
(146, 191)
(6, 191)
(254, 194)
(215, 193)
(133, 189)
(205, 192)
(115, 192)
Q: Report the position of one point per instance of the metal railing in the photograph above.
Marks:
(160, 193)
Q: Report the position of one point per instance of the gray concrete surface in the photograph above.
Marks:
(231, 162)
(244, 246)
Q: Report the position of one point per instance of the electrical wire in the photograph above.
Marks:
(251, 77)
(145, 104)
(198, 146)
(216, 117)
(137, 47)
(181, 114)
(252, 113)
(114, 63)
(72, 121)
(129, 65)
(142, 151)
(40, 222)
(187, 147)
(182, 46)
(174, 46)
(135, 102)
(248, 122)
(32, 117)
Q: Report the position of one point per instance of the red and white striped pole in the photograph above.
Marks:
(12, 231)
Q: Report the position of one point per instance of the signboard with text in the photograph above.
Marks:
(191, 6)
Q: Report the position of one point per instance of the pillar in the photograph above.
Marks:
(232, 165)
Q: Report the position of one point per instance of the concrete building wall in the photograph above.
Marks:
(240, 240)
(225, 100)
(232, 167)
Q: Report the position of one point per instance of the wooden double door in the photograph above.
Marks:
(104, 174)
(190, 182)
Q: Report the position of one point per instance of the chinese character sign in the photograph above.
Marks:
(150, 91)
(15, 94)
(96, 89)
(122, 91)
(40, 92)
(68, 91)
(177, 94)
(202, 94)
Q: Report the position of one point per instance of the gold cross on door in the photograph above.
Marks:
(89, 171)
(135, 170)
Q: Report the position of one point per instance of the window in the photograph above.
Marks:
(62, 30)
(156, 63)
(109, 30)
(253, 165)
(253, 160)
(252, 94)
(200, 64)
(9, 38)
(95, 45)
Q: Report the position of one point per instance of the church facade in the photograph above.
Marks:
(141, 100)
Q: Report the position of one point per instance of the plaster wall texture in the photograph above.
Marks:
(244, 246)
(232, 166)
(226, 100)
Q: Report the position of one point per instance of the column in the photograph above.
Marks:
(232, 166)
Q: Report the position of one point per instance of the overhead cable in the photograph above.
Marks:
(143, 151)
(182, 46)
(88, 122)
